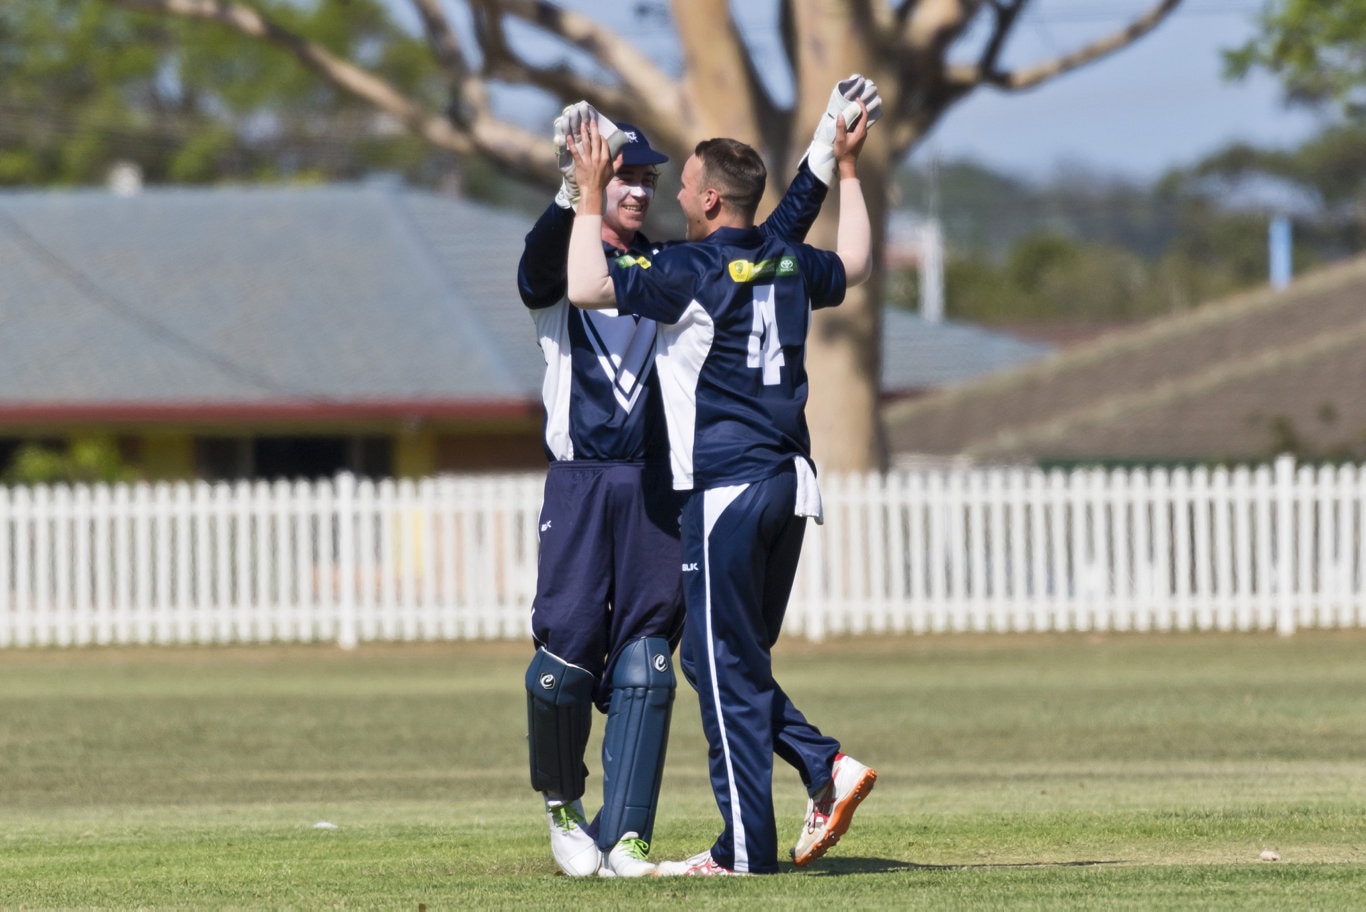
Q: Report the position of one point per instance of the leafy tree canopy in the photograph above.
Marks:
(84, 85)
(1315, 48)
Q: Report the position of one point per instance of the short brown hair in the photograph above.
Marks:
(736, 171)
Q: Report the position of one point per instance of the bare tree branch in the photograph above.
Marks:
(445, 48)
(1006, 15)
(883, 27)
(1103, 47)
(560, 80)
(567, 83)
(929, 27)
(639, 75)
(891, 15)
(489, 32)
(441, 37)
(922, 86)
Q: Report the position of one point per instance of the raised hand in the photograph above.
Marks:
(852, 98)
(595, 163)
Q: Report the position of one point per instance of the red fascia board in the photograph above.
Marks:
(247, 412)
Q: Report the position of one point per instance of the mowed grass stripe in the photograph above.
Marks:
(1031, 771)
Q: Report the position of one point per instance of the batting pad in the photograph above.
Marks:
(635, 739)
(559, 707)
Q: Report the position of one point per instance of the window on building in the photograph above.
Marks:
(280, 456)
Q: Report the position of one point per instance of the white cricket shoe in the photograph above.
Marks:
(575, 851)
(628, 858)
(700, 865)
(829, 814)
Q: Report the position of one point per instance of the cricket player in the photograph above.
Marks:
(608, 609)
(733, 309)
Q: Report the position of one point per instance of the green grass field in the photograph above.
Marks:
(1015, 772)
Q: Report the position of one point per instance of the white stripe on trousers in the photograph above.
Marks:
(714, 503)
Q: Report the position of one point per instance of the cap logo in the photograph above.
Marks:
(631, 136)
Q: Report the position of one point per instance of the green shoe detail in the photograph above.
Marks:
(567, 818)
(635, 847)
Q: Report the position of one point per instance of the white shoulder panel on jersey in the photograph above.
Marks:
(684, 347)
(552, 330)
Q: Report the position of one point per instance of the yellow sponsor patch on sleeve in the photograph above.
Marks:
(745, 271)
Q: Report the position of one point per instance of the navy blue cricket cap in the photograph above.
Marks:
(637, 150)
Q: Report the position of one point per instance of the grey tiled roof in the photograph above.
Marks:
(919, 355)
(339, 294)
(252, 294)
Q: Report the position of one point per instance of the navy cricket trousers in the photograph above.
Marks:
(740, 551)
(607, 573)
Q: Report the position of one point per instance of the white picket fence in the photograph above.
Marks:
(972, 549)
(344, 560)
(1272, 547)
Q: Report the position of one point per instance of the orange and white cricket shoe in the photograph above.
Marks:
(829, 814)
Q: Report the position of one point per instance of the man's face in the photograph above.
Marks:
(628, 198)
(690, 198)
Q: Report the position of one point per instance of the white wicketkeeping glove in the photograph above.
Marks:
(568, 197)
(571, 119)
(844, 99)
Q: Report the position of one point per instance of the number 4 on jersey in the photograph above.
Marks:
(765, 351)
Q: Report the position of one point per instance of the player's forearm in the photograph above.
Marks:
(854, 238)
(590, 286)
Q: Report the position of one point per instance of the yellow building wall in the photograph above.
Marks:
(418, 450)
(167, 457)
(414, 453)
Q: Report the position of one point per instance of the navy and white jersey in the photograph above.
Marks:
(734, 309)
(599, 376)
(600, 391)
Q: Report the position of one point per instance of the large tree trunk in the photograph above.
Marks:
(844, 351)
